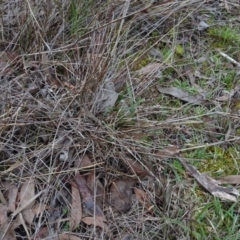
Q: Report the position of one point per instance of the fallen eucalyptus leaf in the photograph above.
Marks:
(144, 199)
(27, 192)
(150, 68)
(136, 167)
(11, 195)
(196, 99)
(39, 208)
(168, 152)
(210, 184)
(6, 232)
(230, 179)
(95, 186)
(121, 194)
(76, 209)
(9, 235)
(3, 214)
(202, 26)
(106, 97)
(88, 198)
(98, 223)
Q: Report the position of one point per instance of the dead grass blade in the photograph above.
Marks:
(66, 236)
(22, 221)
(2, 198)
(7, 60)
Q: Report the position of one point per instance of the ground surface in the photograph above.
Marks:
(111, 111)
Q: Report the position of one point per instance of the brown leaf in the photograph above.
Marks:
(26, 204)
(88, 198)
(42, 233)
(210, 184)
(105, 97)
(151, 67)
(121, 194)
(230, 179)
(98, 223)
(6, 233)
(76, 209)
(82, 162)
(211, 128)
(96, 186)
(2, 198)
(168, 152)
(7, 59)
(144, 199)
(226, 96)
(68, 85)
(192, 78)
(27, 192)
(136, 167)
(39, 208)
(195, 99)
(16, 223)
(11, 195)
(9, 235)
(66, 236)
(3, 214)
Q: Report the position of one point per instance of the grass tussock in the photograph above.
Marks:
(80, 80)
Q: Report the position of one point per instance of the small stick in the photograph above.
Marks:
(229, 58)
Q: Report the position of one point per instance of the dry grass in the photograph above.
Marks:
(57, 57)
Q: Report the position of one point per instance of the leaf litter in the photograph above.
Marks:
(144, 199)
(106, 97)
(136, 167)
(93, 184)
(98, 223)
(88, 198)
(6, 231)
(150, 68)
(76, 209)
(196, 99)
(66, 236)
(10, 193)
(63, 111)
(210, 184)
(230, 179)
(121, 194)
(27, 192)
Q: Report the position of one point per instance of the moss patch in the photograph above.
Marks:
(219, 162)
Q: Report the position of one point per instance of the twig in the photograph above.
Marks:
(229, 58)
